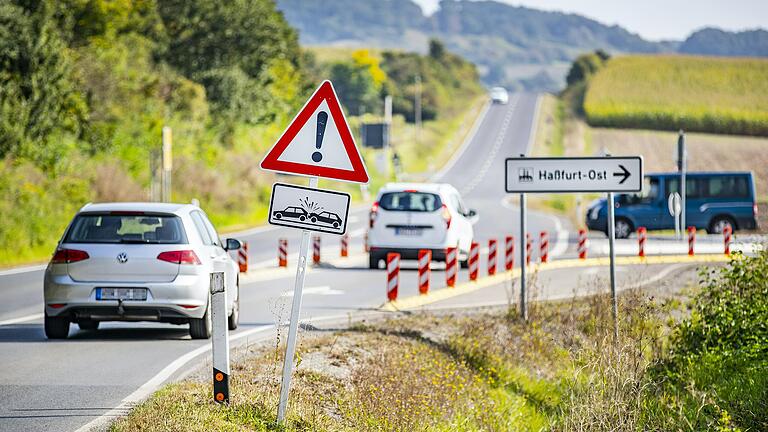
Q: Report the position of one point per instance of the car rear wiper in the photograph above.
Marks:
(137, 241)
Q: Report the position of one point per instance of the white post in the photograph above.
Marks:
(523, 259)
(220, 338)
(293, 326)
(167, 164)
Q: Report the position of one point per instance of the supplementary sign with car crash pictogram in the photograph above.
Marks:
(318, 142)
(310, 209)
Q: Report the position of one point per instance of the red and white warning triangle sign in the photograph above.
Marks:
(318, 142)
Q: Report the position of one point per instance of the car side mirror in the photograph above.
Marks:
(472, 216)
(233, 244)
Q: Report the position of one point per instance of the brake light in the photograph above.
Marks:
(66, 256)
(180, 257)
(126, 213)
(446, 216)
(372, 215)
(410, 190)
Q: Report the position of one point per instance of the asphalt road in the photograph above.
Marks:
(63, 385)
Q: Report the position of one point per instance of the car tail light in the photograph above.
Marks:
(66, 256)
(180, 257)
(446, 216)
(186, 306)
(56, 305)
(373, 214)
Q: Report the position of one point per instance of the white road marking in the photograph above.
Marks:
(464, 146)
(26, 269)
(32, 317)
(318, 290)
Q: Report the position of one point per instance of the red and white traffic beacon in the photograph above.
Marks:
(317, 143)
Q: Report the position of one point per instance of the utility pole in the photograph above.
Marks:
(417, 109)
(165, 195)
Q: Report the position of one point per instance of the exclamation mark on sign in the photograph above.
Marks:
(322, 119)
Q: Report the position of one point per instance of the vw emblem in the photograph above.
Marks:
(122, 258)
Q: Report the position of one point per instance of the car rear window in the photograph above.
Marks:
(126, 228)
(410, 201)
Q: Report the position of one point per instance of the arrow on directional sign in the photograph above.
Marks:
(624, 174)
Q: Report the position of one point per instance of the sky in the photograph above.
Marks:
(655, 19)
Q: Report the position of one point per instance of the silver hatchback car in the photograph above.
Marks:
(138, 262)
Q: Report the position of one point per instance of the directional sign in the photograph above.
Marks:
(578, 174)
(318, 142)
(310, 209)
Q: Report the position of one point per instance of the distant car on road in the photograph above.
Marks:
(138, 262)
(713, 200)
(328, 218)
(408, 217)
(297, 213)
(499, 95)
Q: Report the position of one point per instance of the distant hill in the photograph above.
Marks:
(517, 47)
(711, 41)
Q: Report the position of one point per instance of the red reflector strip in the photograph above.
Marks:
(56, 305)
(189, 306)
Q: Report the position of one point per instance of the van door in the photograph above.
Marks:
(695, 198)
(644, 209)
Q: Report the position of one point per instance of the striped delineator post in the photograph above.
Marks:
(425, 259)
(691, 239)
(492, 257)
(509, 253)
(528, 249)
(316, 249)
(474, 261)
(451, 266)
(642, 237)
(582, 246)
(727, 237)
(544, 246)
(393, 275)
(242, 258)
(219, 338)
(344, 245)
(282, 252)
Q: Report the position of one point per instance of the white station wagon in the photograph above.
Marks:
(407, 217)
(138, 262)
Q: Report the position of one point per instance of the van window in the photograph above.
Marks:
(649, 194)
(719, 186)
(410, 201)
(694, 186)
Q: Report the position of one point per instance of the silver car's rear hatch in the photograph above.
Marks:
(134, 263)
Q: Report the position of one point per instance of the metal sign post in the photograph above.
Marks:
(523, 261)
(220, 338)
(682, 157)
(611, 240)
(293, 327)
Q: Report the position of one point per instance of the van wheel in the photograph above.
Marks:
(718, 224)
(200, 328)
(56, 327)
(88, 325)
(622, 228)
(234, 318)
(373, 261)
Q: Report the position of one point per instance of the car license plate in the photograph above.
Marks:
(408, 231)
(121, 293)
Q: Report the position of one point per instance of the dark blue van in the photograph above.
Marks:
(714, 200)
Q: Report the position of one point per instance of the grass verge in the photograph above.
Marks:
(488, 370)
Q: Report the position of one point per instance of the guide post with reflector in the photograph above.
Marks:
(220, 338)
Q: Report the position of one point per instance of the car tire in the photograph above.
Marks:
(278, 216)
(88, 325)
(56, 327)
(335, 224)
(200, 328)
(313, 220)
(373, 261)
(718, 223)
(302, 218)
(234, 318)
(622, 228)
